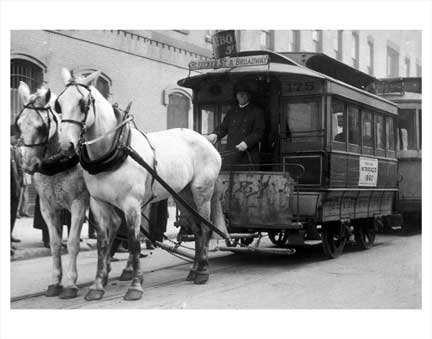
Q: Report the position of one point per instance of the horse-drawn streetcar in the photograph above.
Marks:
(407, 94)
(328, 170)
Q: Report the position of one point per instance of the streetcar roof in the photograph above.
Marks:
(404, 97)
(278, 64)
(331, 67)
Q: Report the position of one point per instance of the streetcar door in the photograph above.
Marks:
(210, 116)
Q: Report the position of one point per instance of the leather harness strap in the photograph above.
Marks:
(135, 156)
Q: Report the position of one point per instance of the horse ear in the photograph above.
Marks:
(92, 77)
(66, 75)
(48, 95)
(24, 92)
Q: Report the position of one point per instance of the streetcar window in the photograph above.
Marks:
(367, 129)
(207, 119)
(303, 116)
(390, 133)
(353, 125)
(379, 131)
(420, 128)
(224, 111)
(407, 129)
(338, 120)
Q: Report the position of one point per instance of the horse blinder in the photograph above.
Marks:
(84, 106)
(57, 107)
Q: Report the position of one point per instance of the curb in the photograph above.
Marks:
(38, 252)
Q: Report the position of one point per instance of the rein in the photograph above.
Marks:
(121, 150)
(128, 119)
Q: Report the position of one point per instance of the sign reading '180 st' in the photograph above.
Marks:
(368, 172)
(230, 62)
(224, 44)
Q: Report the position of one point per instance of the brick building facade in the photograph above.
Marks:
(144, 66)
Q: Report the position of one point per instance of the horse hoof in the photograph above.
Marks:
(126, 275)
(133, 294)
(94, 295)
(191, 276)
(201, 278)
(69, 293)
(54, 290)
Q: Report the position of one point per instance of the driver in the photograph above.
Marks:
(244, 124)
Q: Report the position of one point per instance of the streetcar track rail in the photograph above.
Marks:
(89, 283)
(154, 286)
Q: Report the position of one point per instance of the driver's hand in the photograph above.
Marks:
(212, 138)
(242, 146)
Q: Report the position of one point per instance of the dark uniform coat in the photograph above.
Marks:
(16, 178)
(242, 124)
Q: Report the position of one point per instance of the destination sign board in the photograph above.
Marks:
(399, 85)
(230, 62)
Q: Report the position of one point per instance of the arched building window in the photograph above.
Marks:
(178, 110)
(31, 74)
(103, 83)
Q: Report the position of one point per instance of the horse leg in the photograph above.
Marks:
(73, 245)
(202, 193)
(127, 272)
(112, 233)
(186, 194)
(104, 216)
(133, 221)
(52, 220)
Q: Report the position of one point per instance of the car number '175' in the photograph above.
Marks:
(300, 86)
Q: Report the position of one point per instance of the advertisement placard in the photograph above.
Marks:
(368, 172)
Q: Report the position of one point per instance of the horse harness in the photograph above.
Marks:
(84, 105)
(57, 163)
(45, 127)
(120, 150)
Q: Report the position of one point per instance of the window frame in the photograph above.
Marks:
(354, 147)
(370, 66)
(103, 76)
(296, 100)
(32, 74)
(318, 42)
(337, 143)
(367, 149)
(380, 151)
(355, 49)
(388, 143)
(407, 66)
(268, 43)
(392, 68)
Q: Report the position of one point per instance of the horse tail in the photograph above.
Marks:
(217, 217)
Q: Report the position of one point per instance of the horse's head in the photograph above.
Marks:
(37, 124)
(77, 105)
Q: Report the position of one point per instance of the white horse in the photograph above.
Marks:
(182, 157)
(39, 126)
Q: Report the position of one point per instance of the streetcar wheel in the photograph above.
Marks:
(246, 241)
(333, 239)
(279, 238)
(365, 236)
(234, 242)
